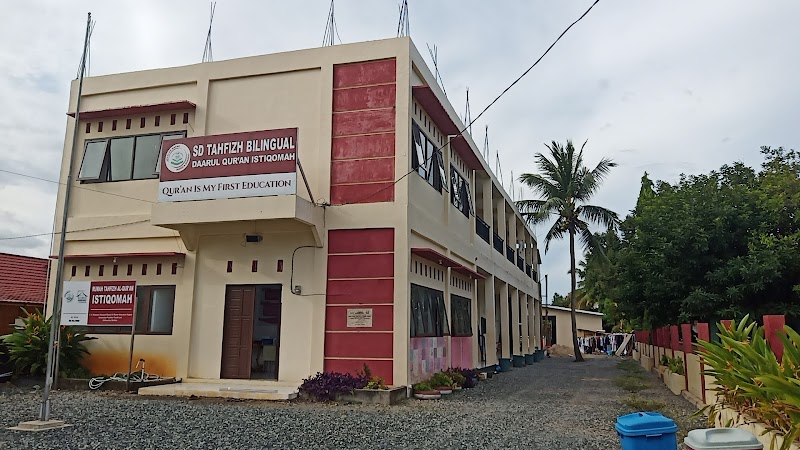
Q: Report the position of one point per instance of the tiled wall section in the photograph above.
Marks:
(428, 356)
(362, 148)
(360, 276)
(461, 352)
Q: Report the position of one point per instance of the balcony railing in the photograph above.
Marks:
(498, 243)
(482, 229)
(510, 254)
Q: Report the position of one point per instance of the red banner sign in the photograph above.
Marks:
(253, 164)
(111, 303)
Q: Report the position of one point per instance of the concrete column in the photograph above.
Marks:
(515, 316)
(488, 205)
(501, 215)
(505, 351)
(526, 337)
(532, 329)
(491, 327)
(512, 231)
(476, 323)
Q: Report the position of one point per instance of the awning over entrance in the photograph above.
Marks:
(281, 213)
(432, 255)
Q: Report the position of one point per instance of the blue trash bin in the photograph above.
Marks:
(647, 431)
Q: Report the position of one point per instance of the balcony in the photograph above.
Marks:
(482, 229)
(510, 254)
(498, 243)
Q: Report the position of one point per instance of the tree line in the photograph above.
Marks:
(711, 246)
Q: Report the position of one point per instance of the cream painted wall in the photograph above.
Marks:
(296, 335)
(586, 324)
(290, 89)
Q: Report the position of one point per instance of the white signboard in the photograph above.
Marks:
(262, 185)
(75, 302)
(359, 318)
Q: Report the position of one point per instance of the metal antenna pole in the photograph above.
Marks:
(55, 318)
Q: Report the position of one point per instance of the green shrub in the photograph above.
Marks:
(750, 379)
(457, 378)
(424, 386)
(28, 344)
(376, 383)
(675, 365)
(440, 379)
(664, 360)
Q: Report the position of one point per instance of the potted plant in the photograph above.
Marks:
(424, 391)
(442, 383)
(459, 380)
(674, 376)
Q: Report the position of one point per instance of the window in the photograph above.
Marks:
(124, 158)
(460, 192)
(426, 159)
(460, 310)
(155, 307)
(428, 315)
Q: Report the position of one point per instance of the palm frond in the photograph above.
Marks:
(556, 231)
(540, 185)
(589, 242)
(600, 215)
(602, 169)
(537, 211)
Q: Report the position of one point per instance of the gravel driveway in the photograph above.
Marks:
(555, 404)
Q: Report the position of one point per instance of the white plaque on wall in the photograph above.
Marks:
(359, 318)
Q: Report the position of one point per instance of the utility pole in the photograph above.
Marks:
(55, 320)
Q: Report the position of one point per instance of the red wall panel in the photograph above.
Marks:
(382, 318)
(369, 240)
(362, 193)
(381, 368)
(369, 97)
(363, 125)
(362, 170)
(377, 265)
(358, 345)
(363, 122)
(363, 146)
(361, 291)
(365, 73)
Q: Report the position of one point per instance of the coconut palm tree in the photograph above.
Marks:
(564, 185)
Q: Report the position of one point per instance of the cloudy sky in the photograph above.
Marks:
(667, 87)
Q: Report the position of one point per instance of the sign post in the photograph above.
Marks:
(101, 303)
(130, 351)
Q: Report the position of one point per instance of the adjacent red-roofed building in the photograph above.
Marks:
(23, 284)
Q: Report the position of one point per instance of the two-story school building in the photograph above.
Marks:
(291, 213)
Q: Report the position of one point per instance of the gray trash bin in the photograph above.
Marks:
(721, 439)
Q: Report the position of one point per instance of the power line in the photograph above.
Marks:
(461, 132)
(77, 187)
(72, 231)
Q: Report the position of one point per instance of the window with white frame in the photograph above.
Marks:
(426, 159)
(124, 158)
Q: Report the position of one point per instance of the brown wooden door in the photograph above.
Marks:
(237, 332)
